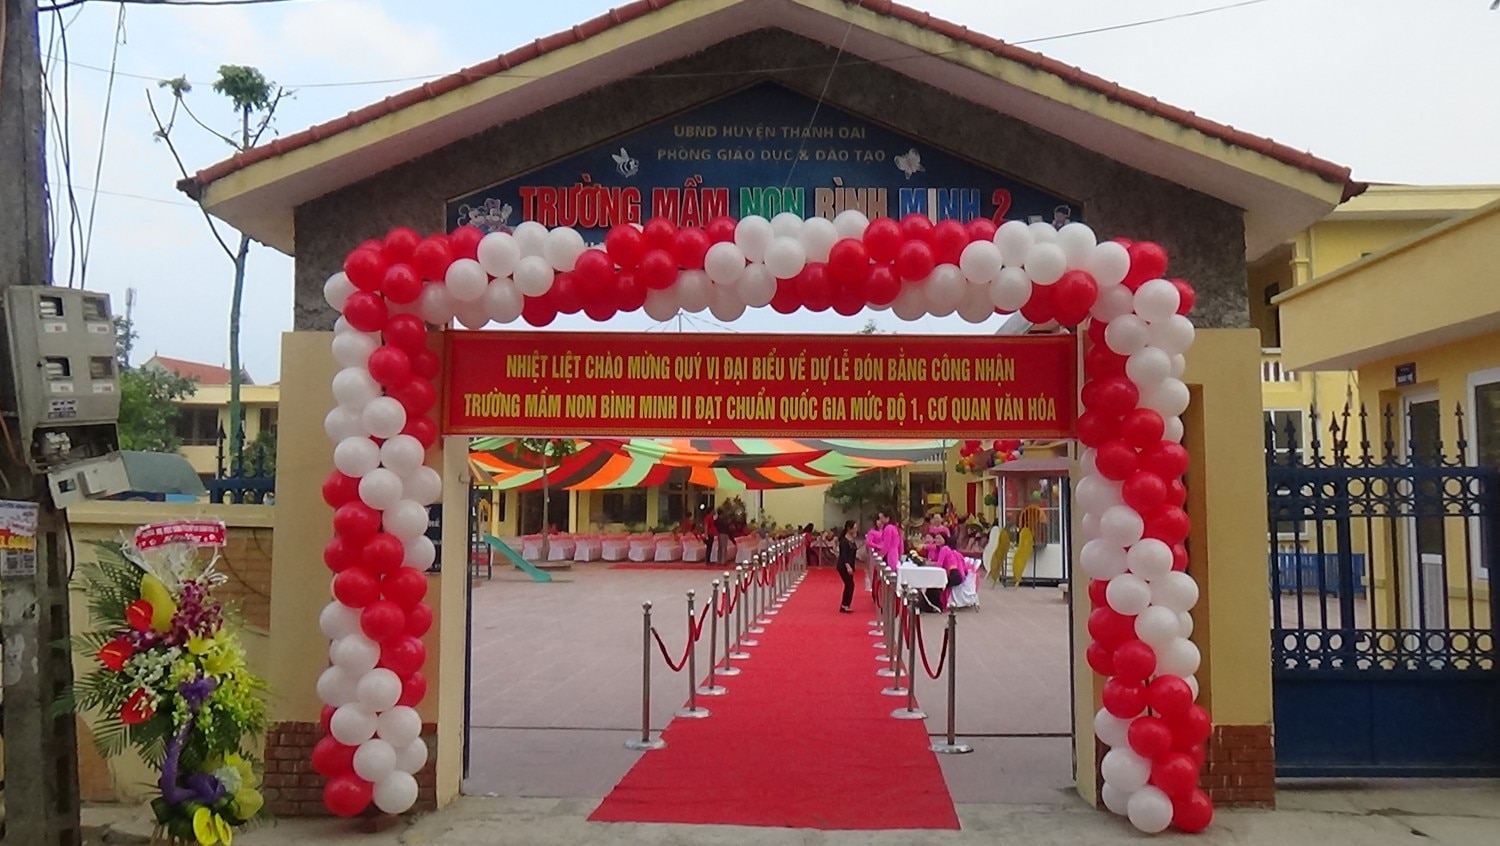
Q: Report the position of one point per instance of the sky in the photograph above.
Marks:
(1399, 90)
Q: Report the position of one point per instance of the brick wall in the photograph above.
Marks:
(1241, 767)
(291, 787)
(246, 561)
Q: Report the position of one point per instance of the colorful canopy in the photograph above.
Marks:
(729, 463)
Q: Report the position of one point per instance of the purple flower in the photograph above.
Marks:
(196, 692)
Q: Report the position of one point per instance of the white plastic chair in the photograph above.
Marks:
(668, 549)
(694, 551)
(531, 547)
(642, 548)
(587, 549)
(561, 548)
(614, 547)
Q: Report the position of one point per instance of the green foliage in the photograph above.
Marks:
(869, 492)
(245, 86)
(260, 454)
(148, 408)
(125, 338)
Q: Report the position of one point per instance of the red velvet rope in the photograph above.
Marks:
(695, 627)
(677, 666)
(922, 648)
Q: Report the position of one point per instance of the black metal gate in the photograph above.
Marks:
(1382, 613)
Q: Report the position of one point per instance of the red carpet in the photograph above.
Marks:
(633, 565)
(803, 739)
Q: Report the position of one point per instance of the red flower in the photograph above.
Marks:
(116, 653)
(138, 615)
(136, 709)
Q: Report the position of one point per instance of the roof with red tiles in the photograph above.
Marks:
(203, 374)
(1302, 160)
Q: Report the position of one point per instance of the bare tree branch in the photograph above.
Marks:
(270, 112)
(164, 132)
(206, 128)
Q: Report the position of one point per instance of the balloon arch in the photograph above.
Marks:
(391, 290)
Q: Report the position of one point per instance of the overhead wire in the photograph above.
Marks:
(109, 92)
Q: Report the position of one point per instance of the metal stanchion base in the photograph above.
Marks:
(740, 654)
(772, 611)
(762, 621)
(887, 672)
(875, 633)
(755, 630)
(879, 644)
(874, 623)
(893, 691)
(908, 714)
(691, 713)
(952, 748)
(884, 659)
(728, 671)
(716, 690)
(645, 745)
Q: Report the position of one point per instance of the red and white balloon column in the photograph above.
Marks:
(1132, 490)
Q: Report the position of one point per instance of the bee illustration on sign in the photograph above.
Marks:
(627, 165)
(910, 163)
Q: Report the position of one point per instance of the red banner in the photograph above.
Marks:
(846, 386)
(189, 532)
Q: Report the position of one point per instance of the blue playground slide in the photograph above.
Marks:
(522, 564)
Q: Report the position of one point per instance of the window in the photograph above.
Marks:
(1286, 437)
(197, 425)
(624, 506)
(1484, 435)
(268, 420)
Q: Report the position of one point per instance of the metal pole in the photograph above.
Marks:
(890, 642)
(731, 646)
(747, 599)
(894, 671)
(692, 711)
(762, 578)
(755, 623)
(952, 746)
(773, 602)
(914, 624)
(644, 743)
(711, 688)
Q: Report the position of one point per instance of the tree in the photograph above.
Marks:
(148, 408)
(255, 100)
(869, 492)
(550, 451)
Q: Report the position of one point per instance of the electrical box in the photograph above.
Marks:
(62, 345)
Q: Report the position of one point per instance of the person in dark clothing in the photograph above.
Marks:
(846, 565)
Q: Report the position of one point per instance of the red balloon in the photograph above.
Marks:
(1101, 362)
(882, 239)
(1096, 429)
(401, 284)
(347, 795)
(538, 311)
(331, 758)
(1150, 737)
(721, 229)
(356, 522)
(1179, 558)
(365, 268)
(1196, 752)
(1176, 492)
(916, 227)
(416, 395)
(786, 300)
(406, 332)
(1116, 461)
(338, 555)
(464, 242)
(594, 271)
(565, 294)
(1142, 427)
(849, 261)
(600, 308)
(1101, 658)
(1118, 395)
(389, 365)
(1040, 308)
(914, 260)
(661, 234)
(1166, 459)
(981, 229)
(432, 257)
(366, 311)
(400, 243)
(339, 489)
(383, 553)
(425, 364)
(1074, 295)
(1124, 699)
(949, 237)
(413, 689)
(813, 286)
(1191, 728)
(403, 655)
(689, 246)
(423, 429)
(325, 716)
(1097, 588)
(882, 286)
(355, 587)
(1144, 491)
(418, 618)
(404, 586)
(1169, 696)
(626, 245)
(1193, 812)
(1175, 774)
(1134, 660)
(658, 270)
(1110, 627)
(1168, 524)
(1096, 329)
(382, 620)
(1186, 296)
(848, 301)
(1147, 261)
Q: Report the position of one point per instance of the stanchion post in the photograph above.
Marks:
(729, 668)
(740, 641)
(914, 623)
(692, 711)
(773, 602)
(762, 578)
(711, 687)
(875, 586)
(894, 669)
(644, 743)
(952, 746)
(892, 631)
(753, 615)
(746, 608)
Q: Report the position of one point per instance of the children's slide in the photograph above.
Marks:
(513, 557)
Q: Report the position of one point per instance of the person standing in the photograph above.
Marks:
(846, 565)
(710, 537)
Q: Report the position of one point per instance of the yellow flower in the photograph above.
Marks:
(204, 828)
(199, 645)
(224, 830)
(162, 606)
(248, 802)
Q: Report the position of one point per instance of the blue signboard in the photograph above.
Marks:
(762, 151)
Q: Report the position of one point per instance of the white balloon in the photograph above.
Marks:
(564, 246)
(1180, 657)
(503, 301)
(1175, 590)
(341, 325)
(1127, 334)
(725, 305)
(341, 423)
(753, 235)
(356, 456)
(533, 276)
(1102, 559)
(1090, 525)
(911, 303)
(378, 690)
(352, 724)
(1042, 233)
(1150, 810)
(1185, 624)
(692, 290)
(1192, 683)
(1015, 240)
(337, 290)
(402, 454)
(1128, 594)
(374, 760)
(531, 237)
(1148, 367)
(380, 488)
(1172, 430)
(1096, 493)
(1157, 300)
(1179, 365)
(472, 315)
(976, 306)
(1126, 770)
(352, 349)
(661, 304)
(724, 263)
(499, 253)
(945, 288)
(757, 286)
(1110, 729)
(1046, 263)
(938, 309)
(466, 280)
(1157, 626)
(851, 223)
(1121, 525)
(1077, 241)
(818, 235)
(1115, 799)
(1011, 289)
(384, 417)
(423, 485)
(407, 519)
(412, 757)
(435, 305)
(786, 225)
(396, 793)
(354, 387)
(1149, 558)
(338, 620)
(420, 553)
(399, 726)
(1175, 334)
(1114, 302)
(1088, 462)
(785, 257)
(337, 686)
(1169, 398)
(1108, 263)
(354, 653)
(980, 262)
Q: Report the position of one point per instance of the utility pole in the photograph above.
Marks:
(41, 751)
